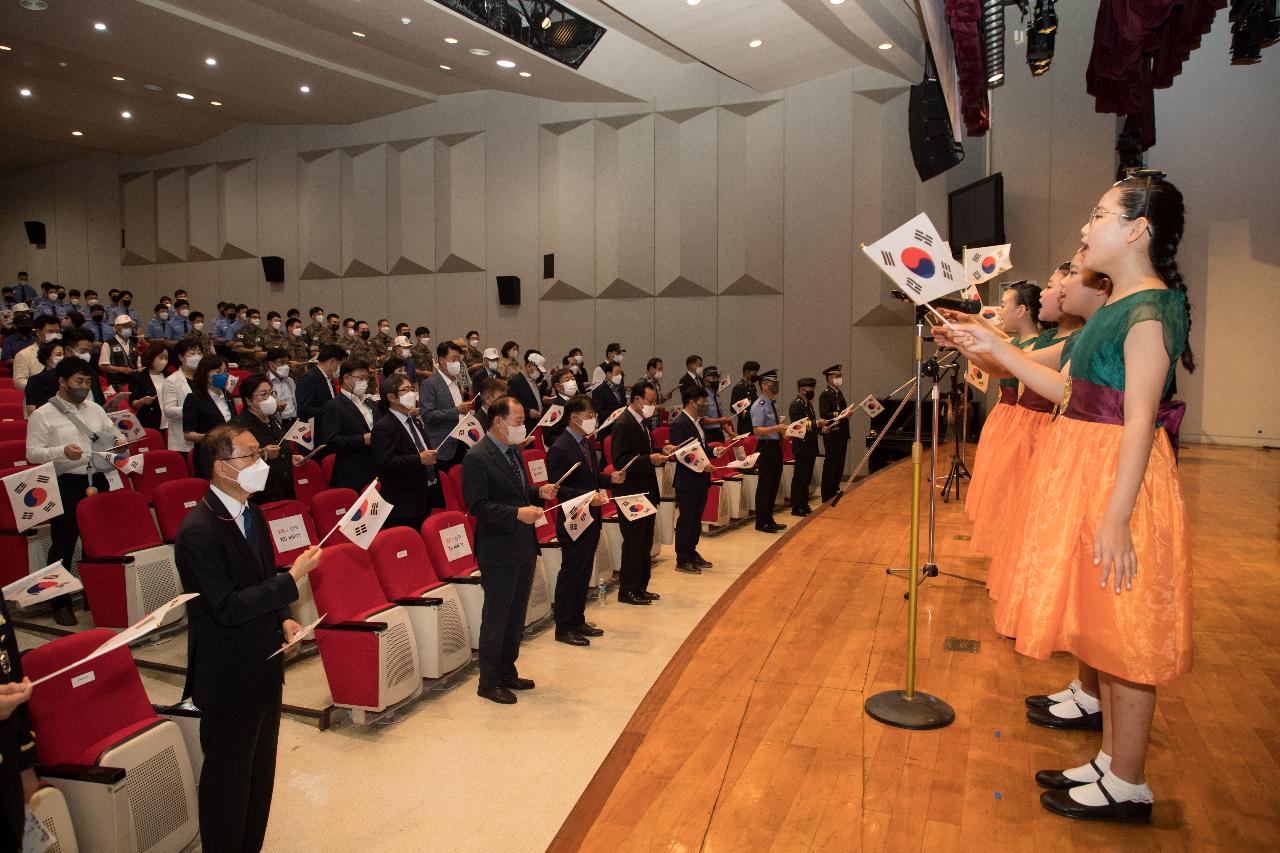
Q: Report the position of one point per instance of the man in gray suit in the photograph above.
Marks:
(441, 402)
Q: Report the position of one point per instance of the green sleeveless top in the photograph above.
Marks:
(1097, 353)
(1020, 343)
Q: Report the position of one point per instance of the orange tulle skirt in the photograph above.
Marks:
(1009, 472)
(982, 485)
(1051, 598)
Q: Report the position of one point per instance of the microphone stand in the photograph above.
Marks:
(960, 408)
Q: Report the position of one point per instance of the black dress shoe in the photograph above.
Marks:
(586, 629)
(518, 683)
(1040, 701)
(801, 512)
(1055, 781)
(631, 598)
(652, 596)
(498, 694)
(701, 563)
(1060, 802)
(571, 638)
(1086, 722)
(688, 568)
(65, 616)
(773, 527)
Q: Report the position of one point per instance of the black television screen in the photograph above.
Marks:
(975, 214)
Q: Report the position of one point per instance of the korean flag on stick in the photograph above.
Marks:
(918, 260)
(798, 429)
(45, 584)
(365, 517)
(127, 422)
(741, 406)
(33, 495)
(577, 514)
(635, 507)
(552, 417)
(693, 457)
(303, 433)
(612, 417)
(467, 431)
(977, 377)
(986, 262)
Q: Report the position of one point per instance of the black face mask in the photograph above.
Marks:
(365, 334)
(333, 326)
(97, 318)
(23, 327)
(807, 393)
(78, 395)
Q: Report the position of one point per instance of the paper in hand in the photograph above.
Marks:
(307, 631)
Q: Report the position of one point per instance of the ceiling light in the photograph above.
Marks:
(62, 64)
(525, 74)
(100, 27)
(306, 90)
(478, 51)
(506, 63)
(76, 133)
(151, 87)
(26, 93)
(5, 47)
(33, 5)
(754, 43)
(185, 96)
(210, 61)
(693, 2)
(447, 67)
(884, 45)
(406, 21)
(450, 40)
(126, 114)
(996, 78)
(358, 34)
(836, 2)
(215, 103)
(117, 78)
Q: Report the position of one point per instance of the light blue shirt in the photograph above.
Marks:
(155, 328)
(764, 414)
(177, 328)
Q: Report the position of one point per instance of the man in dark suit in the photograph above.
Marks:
(406, 466)
(346, 428)
(315, 387)
(745, 389)
(691, 486)
(505, 506)
(609, 396)
(805, 449)
(563, 387)
(486, 393)
(223, 553)
(692, 376)
(442, 403)
(835, 436)
(631, 441)
(578, 555)
(17, 741)
(526, 386)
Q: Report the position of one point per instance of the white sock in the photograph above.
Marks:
(1085, 772)
(1120, 791)
(1078, 705)
(1065, 695)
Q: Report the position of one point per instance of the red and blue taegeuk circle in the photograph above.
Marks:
(988, 265)
(918, 261)
(360, 511)
(35, 497)
(41, 587)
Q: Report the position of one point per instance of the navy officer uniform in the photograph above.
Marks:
(805, 449)
(835, 438)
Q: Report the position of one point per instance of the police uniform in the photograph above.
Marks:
(17, 741)
(805, 449)
(744, 390)
(715, 409)
(250, 337)
(763, 413)
(835, 442)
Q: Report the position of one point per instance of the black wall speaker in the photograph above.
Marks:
(933, 148)
(549, 266)
(508, 290)
(35, 232)
(273, 268)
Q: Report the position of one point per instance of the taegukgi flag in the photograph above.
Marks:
(986, 262)
(33, 495)
(918, 260)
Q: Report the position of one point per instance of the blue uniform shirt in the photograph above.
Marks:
(177, 328)
(102, 330)
(155, 329)
(763, 414)
(225, 329)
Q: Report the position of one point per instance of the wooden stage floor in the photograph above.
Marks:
(754, 737)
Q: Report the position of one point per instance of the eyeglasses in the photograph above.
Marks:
(1098, 212)
(257, 454)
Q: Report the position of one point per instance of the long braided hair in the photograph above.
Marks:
(1153, 197)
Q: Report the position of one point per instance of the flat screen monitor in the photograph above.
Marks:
(975, 214)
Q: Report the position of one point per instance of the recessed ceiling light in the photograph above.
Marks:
(693, 2)
(210, 61)
(5, 47)
(546, 22)
(76, 133)
(525, 74)
(406, 21)
(996, 78)
(447, 67)
(62, 64)
(836, 2)
(754, 43)
(450, 40)
(884, 45)
(506, 63)
(33, 5)
(117, 78)
(152, 87)
(126, 114)
(100, 27)
(215, 103)
(358, 34)
(306, 90)
(185, 96)
(26, 93)
(478, 51)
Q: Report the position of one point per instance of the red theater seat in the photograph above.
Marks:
(173, 499)
(329, 506)
(159, 466)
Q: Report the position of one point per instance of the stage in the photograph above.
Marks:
(754, 737)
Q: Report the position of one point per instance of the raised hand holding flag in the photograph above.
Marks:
(609, 420)
(127, 422)
(741, 406)
(692, 456)
(364, 518)
(551, 418)
(746, 463)
(468, 431)
(799, 429)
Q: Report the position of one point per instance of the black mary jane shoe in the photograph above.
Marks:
(1039, 701)
(1086, 722)
(1054, 780)
(1129, 811)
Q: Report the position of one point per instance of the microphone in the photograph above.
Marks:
(964, 306)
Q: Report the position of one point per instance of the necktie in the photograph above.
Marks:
(413, 433)
(515, 464)
(247, 518)
(589, 455)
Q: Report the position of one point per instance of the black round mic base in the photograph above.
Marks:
(921, 711)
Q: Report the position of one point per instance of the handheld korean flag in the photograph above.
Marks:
(635, 507)
(126, 464)
(553, 416)
(977, 377)
(232, 382)
(33, 495)
(303, 433)
(741, 406)
(986, 262)
(725, 382)
(468, 431)
(365, 517)
(918, 260)
(799, 429)
(307, 631)
(43, 585)
(577, 515)
(971, 293)
(693, 457)
(612, 417)
(746, 463)
(127, 423)
(871, 406)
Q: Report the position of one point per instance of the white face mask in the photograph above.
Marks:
(83, 356)
(159, 365)
(255, 321)
(296, 331)
(163, 315)
(617, 359)
(382, 330)
(351, 333)
(570, 387)
(191, 362)
(515, 435)
(318, 319)
(474, 343)
(275, 324)
(254, 478)
(657, 374)
(402, 352)
(268, 406)
(616, 380)
(409, 399)
(491, 363)
(588, 425)
(362, 385)
(454, 367)
(125, 333)
(184, 312)
(55, 361)
(577, 359)
(647, 410)
(283, 371)
(837, 381)
(424, 341)
(199, 327)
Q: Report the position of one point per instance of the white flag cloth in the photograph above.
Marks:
(746, 463)
(977, 377)
(33, 495)
(127, 464)
(617, 413)
(468, 431)
(799, 429)
(128, 424)
(635, 507)
(971, 292)
(43, 585)
(918, 260)
(741, 406)
(307, 631)
(725, 382)
(871, 405)
(577, 514)
(553, 416)
(693, 457)
(986, 262)
(302, 432)
(365, 517)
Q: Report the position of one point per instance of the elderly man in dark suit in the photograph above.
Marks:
(406, 466)
(346, 428)
(241, 617)
(631, 441)
(443, 402)
(505, 506)
(578, 555)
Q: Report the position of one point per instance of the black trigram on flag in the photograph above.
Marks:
(924, 238)
(373, 508)
(28, 515)
(42, 478)
(50, 505)
(361, 529)
(20, 488)
(886, 258)
(977, 275)
(914, 285)
(946, 272)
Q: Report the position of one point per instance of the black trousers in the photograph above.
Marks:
(577, 559)
(65, 530)
(769, 466)
(689, 504)
(506, 598)
(833, 467)
(801, 477)
(637, 564)
(238, 776)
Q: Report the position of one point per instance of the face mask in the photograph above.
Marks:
(254, 478)
(698, 372)
(317, 318)
(159, 365)
(219, 380)
(807, 393)
(588, 425)
(56, 336)
(364, 334)
(255, 321)
(93, 301)
(362, 385)
(402, 352)
(515, 434)
(837, 381)
(424, 341)
(83, 356)
(657, 374)
(199, 327)
(126, 333)
(333, 327)
(275, 324)
(126, 303)
(75, 301)
(536, 375)
(54, 361)
(268, 406)
(296, 331)
(617, 359)
(163, 315)
(474, 343)
(191, 362)
(382, 330)
(492, 364)
(570, 387)
(97, 318)
(78, 395)
(616, 380)
(647, 410)
(283, 371)
(184, 312)
(168, 306)
(454, 367)
(351, 333)
(577, 359)
(409, 399)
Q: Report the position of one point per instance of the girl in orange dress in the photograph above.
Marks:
(1020, 320)
(1106, 525)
